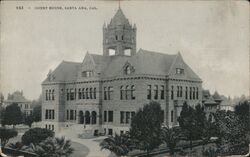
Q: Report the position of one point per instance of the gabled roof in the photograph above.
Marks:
(65, 71)
(144, 62)
(210, 101)
(216, 96)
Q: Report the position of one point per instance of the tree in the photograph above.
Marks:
(120, 145)
(29, 119)
(146, 127)
(232, 138)
(53, 147)
(37, 113)
(242, 110)
(6, 134)
(171, 137)
(189, 124)
(2, 111)
(36, 135)
(12, 115)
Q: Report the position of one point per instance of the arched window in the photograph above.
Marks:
(81, 117)
(79, 93)
(110, 93)
(53, 94)
(122, 92)
(128, 70)
(156, 92)
(127, 92)
(87, 93)
(93, 115)
(94, 93)
(149, 92)
(133, 92)
(83, 93)
(87, 117)
(90, 93)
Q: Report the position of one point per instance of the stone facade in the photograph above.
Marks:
(102, 94)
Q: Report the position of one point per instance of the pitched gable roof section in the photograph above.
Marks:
(65, 71)
(189, 74)
(144, 63)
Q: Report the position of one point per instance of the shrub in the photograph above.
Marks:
(6, 134)
(36, 135)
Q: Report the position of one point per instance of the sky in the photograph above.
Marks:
(212, 37)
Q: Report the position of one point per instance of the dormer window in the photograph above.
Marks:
(179, 71)
(87, 73)
(128, 70)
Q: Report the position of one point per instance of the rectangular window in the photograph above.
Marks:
(172, 92)
(53, 94)
(132, 115)
(149, 92)
(67, 94)
(179, 71)
(47, 114)
(122, 117)
(193, 92)
(75, 115)
(110, 132)
(186, 93)
(162, 92)
(110, 116)
(53, 114)
(122, 92)
(190, 93)
(197, 93)
(127, 117)
(46, 96)
(67, 115)
(181, 91)
(127, 91)
(52, 127)
(105, 116)
(105, 93)
(156, 92)
(71, 114)
(172, 116)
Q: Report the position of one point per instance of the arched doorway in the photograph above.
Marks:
(93, 115)
(87, 117)
(81, 118)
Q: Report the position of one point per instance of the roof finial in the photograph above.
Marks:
(119, 4)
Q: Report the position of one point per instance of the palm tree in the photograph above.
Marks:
(171, 137)
(120, 145)
(53, 147)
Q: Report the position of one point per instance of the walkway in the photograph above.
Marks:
(92, 144)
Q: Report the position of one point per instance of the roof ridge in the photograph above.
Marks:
(157, 52)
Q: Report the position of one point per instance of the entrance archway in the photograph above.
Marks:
(81, 118)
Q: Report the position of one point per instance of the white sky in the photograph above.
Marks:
(212, 36)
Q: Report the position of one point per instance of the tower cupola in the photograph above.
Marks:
(119, 37)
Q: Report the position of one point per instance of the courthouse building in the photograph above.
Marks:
(102, 93)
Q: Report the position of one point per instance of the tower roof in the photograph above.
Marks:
(119, 18)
